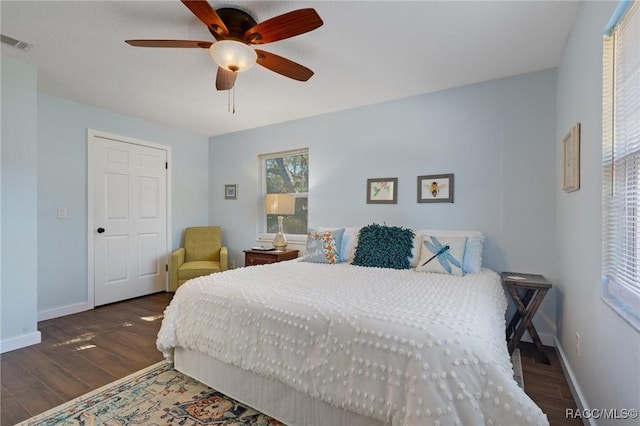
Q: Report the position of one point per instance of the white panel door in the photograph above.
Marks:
(130, 220)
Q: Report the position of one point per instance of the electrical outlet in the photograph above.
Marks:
(577, 343)
(232, 264)
(62, 213)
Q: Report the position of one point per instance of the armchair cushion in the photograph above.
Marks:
(197, 268)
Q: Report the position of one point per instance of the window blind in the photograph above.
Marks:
(621, 162)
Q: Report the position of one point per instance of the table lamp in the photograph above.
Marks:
(280, 204)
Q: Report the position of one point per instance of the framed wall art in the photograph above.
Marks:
(231, 192)
(435, 188)
(571, 160)
(382, 191)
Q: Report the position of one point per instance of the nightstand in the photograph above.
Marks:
(535, 288)
(261, 257)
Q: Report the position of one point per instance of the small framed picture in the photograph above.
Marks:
(382, 191)
(571, 160)
(435, 188)
(231, 192)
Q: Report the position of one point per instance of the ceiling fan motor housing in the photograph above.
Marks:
(237, 22)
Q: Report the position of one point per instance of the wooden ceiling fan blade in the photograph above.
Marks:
(203, 10)
(169, 43)
(284, 26)
(283, 66)
(225, 79)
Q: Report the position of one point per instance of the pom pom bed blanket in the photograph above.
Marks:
(399, 346)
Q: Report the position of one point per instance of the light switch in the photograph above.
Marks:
(62, 212)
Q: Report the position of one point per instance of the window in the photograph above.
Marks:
(621, 166)
(285, 173)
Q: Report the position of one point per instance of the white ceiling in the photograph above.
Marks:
(366, 52)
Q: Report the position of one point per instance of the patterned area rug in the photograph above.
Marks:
(158, 395)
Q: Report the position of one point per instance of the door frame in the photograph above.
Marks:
(92, 135)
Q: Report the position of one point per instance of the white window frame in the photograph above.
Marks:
(621, 165)
(264, 237)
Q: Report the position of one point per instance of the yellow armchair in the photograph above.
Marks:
(202, 254)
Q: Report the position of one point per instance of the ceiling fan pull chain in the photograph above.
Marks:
(231, 103)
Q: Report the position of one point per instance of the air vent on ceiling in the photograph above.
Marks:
(14, 43)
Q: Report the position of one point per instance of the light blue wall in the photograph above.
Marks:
(498, 138)
(62, 182)
(19, 278)
(607, 372)
(44, 166)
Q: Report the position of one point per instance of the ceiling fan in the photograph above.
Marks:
(235, 32)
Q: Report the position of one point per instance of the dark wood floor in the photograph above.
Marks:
(547, 385)
(79, 353)
(84, 351)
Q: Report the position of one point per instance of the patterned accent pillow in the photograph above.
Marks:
(384, 247)
(472, 252)
(442, 254)
(323, 246)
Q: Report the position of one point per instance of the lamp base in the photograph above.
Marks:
(279, 244)
(280, 241)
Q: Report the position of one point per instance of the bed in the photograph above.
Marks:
(340, 344)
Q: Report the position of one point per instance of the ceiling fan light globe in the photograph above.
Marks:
(233, 55)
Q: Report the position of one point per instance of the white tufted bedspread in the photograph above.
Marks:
(400, 346)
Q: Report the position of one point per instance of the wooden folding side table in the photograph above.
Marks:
(535, 288)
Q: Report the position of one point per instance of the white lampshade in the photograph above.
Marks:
(280, 204)
(233, 55)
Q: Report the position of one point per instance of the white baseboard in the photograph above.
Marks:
(18, 342)
(547, 339)
(63, 311)
(576, 391)
(34, 338)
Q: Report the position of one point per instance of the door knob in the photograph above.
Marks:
(100, 230)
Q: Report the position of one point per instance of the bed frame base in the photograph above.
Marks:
(266, 395)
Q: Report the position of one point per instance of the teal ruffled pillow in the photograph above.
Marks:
(384, 246)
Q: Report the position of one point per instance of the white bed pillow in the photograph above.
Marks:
(472, 262)
(349, 243)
